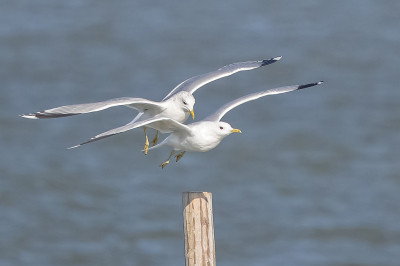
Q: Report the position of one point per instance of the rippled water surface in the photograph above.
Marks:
(314, 179)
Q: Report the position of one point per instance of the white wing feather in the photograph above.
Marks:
(192, 84)
(251, 97)
(136, 103)
(173, 125)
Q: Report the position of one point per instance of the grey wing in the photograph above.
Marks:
(69, 110)
(192, 84)
(229, 106)
(173, 125)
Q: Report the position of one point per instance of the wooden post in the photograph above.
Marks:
(198, 227)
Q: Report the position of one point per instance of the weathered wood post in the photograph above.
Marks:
(198, 227)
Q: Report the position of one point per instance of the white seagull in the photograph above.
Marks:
(199, 136)
(177, 105)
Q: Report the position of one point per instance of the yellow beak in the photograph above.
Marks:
(192, 113)
(236, 130)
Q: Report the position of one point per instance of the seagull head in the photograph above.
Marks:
(186, 101)
(223, 129)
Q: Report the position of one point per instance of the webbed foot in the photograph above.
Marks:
(167, 161)
(155, 140)
(164, 164)
(179, 156)
(146, 144)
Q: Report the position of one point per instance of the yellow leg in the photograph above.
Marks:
(155, 140)
(179, 156)
(146, 144)
(167, 161)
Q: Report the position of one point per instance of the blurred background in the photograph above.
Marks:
(314, 179)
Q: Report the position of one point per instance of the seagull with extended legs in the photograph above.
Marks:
(204, 135)
(177, 105)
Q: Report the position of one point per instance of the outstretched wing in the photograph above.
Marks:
(229, 106)
(192, 84)
(172, 124)
(69, 110)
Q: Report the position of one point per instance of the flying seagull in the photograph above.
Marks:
(177, 105)
(199, 136)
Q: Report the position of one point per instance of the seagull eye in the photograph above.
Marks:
(185, 103)
(221, 128)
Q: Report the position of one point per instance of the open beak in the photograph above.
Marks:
(236, 130)
(192, 113)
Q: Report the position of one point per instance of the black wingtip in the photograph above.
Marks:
(91, 140)
(50, 115)
(270, 61)
(309, 85)
(41, 115)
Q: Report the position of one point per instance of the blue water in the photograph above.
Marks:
(314, 179)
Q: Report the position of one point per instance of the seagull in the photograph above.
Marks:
(177, 105)
(199, 136)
